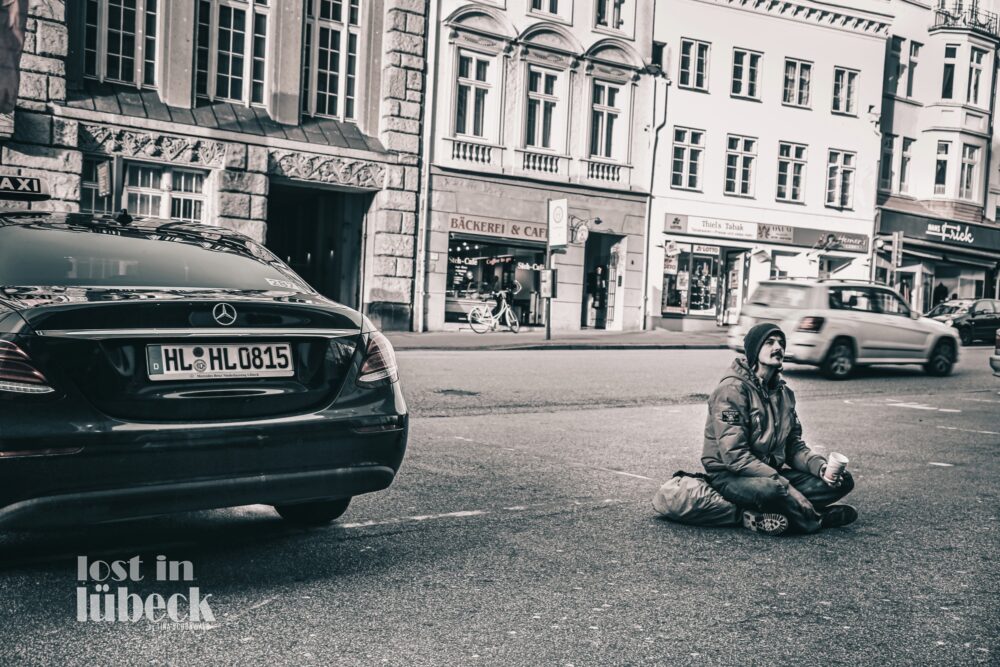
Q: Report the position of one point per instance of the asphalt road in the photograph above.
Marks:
(520, 532)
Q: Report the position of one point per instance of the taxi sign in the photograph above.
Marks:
(23, 188)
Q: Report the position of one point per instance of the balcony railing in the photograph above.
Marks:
(966, 15)
(467, 151)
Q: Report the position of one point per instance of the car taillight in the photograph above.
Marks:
(998, 342)
(811, 324)
(17, 373)
(380, 362)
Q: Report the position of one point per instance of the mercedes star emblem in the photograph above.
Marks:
(224, 314)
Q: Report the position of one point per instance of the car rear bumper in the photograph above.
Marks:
(135, 502)
(995, 364)
(136, 470)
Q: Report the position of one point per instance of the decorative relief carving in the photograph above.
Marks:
(132, 143)
(327, 169)
(790, 9)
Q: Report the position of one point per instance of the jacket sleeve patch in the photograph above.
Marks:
(731, 416)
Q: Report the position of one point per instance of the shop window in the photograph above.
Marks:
(120, 41)
(694, 64)
(741, 159)
(472, 94)
(840, 179)
(798, 75)
(477, 267)
(746, 67)
(543, 108)
(691, 283)
(791, 172)
(845, 91)
(605, 111)
(231, 49)
(686, 163)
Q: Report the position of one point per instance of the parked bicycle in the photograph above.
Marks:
(482, 318)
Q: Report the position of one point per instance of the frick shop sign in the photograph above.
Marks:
(947, 231)
(509, 229)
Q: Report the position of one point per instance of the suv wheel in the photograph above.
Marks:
(965, 333)
(942, 359)
(314, 513)
(839, 362)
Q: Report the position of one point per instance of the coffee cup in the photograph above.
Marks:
(835, 466)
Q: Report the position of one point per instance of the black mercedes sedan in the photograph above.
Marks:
(152, 366)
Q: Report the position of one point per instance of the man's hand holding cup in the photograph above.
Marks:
(833, 471)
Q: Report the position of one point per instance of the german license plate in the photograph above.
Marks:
(208, 362)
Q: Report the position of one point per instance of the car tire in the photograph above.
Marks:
(942, 359)
(315, 513)
(965, 334)
(839, 361)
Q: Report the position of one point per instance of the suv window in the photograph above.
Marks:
(781, 296)
(851, 298)
(889, 303)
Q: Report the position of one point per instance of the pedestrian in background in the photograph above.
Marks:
(754, 454)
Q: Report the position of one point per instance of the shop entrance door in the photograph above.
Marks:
(319, 234)
(600, 307)
(732, 285)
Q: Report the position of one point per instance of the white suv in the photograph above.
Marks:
(839, 324)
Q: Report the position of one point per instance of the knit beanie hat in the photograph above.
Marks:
(754, 340)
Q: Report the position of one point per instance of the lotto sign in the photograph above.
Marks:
(558, 222)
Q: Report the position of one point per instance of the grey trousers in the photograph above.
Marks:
(767, 494)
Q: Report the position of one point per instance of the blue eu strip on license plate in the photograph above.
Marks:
(207, 362)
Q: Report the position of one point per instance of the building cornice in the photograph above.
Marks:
(866, 23)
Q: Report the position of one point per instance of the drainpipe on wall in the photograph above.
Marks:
(660, 76)
(422, 226)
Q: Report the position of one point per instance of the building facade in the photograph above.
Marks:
(769, 162)
(532, 101)
(937, 191)
(297, 123)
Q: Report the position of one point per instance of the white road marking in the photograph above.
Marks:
(941, 465)
(626, 474)
(422, 517)
(911, 406)
(968, 430)
(979, 400)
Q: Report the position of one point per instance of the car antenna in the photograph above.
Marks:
(123, 218)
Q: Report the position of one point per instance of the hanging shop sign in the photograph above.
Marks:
(776, 233)
(506, 229)
(558, 222)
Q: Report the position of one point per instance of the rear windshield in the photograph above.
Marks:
(950, 308)
(781, 296)
(138, 258)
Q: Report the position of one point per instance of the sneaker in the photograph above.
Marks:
(767, 523)
(836, 516)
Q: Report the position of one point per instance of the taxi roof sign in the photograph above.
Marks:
(23, 188)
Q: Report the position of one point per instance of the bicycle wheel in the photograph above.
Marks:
(480, 319)
(512, 322)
